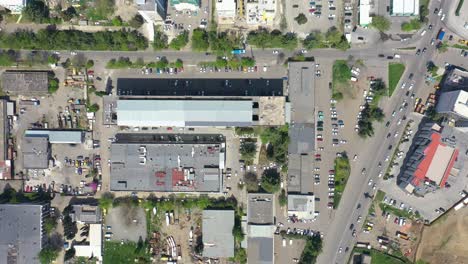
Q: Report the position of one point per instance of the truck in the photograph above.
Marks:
(363, 245)
(441, 34)
(238, 51)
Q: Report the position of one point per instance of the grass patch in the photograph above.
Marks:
(459, 46)
(460, 4)
(407, 48)
(379, 196)
(395, 211)
(395, 71)
(341, 76)
(116, 253)
(342, 172)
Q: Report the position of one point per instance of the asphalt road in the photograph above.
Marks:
(353, 202)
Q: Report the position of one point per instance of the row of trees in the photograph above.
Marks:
(274, 39)
(125, 62)
(333, 38)
(52, 39)
(233, 63)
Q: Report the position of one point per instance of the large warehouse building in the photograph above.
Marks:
(167, 162)
(182, 113)
(454, 102)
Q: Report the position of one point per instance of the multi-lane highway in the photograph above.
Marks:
(353, 202)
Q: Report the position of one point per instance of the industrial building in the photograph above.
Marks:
(15, 6)
(218, 241)
(22, 232)
(260, 228)
(36, 152)
(86, 214)
(6, 150)
(171, 87)
(92, 247)
(167, 162)
(184, 113)
(260, 12)
(455, 79)
(58, 136)
(153, 11)
(404, 8)
(226, 10)
(25, 82)
(429, 161)
(301, 206)
(454, 103)
(186, 5)
(364, 13)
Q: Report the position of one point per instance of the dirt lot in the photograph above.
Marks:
(127, 222)
(445, 241)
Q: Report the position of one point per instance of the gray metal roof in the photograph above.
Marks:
(86, 213)
(25, 82)
(163, 164)
(35, 153)
(260, 208)
(58, 136)
(21, 236)
(217, 228)
(260, 250)
(180, 113)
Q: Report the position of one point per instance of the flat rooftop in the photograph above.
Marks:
(302, 206)
(21, 237)
(199, 87)
(217, 228)
(25, 82)
(170, 163)
(260, 208)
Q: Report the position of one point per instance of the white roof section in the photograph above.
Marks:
(15, 6)
(440, 163)
(364, 13)
(181, 113)
(58, 136)
(455, 102)
(226, 8)
(405, 7)
(217, 228)
(302, 206)
(94, 249)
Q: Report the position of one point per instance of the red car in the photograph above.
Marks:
(311, 10)
(396, 220)
(331, 171)
(318, 155)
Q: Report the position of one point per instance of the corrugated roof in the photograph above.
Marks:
(217, 228)
(58, 136)
(182, 113)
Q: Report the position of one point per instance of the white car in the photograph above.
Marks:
(355, 157)
(275, 52)
(443, 17)
(370, 182)
(303, 51)
(343, 141)
(403, 85)
(411, 86)
(380, 174)
(399, 121)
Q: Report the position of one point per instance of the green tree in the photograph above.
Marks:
(53, 85)
(69, 13)
(6, 60)
(247, 62)
(162, 63)
(106, 201)
(50, 223)
(301, 19)
(180, 41)
(222, 43)
(52, 59)
(69, 254)
(443, 47)
(200, 40)
(93, 108)
(413, 24)
(251, 181)
(160, 40)
(248, 149)
(282, 198)
(117, 21)
(137, 21)
(89, 64)
(380, 23)
(48, 255)
(314, 40)
(271, 180)
(36, 11)
(179, 64)
(102, 9)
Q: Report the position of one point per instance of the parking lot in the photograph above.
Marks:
(321, 15)
(178, 21)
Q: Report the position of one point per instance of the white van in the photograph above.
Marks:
(423, 33)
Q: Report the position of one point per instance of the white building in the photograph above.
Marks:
(260, 11)
(181, 5)
(364, 13)
(153, 11)
(455, 102)
(226, 9)
(93, 248)
(405, 8)
(302, 206)
(15, 6)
